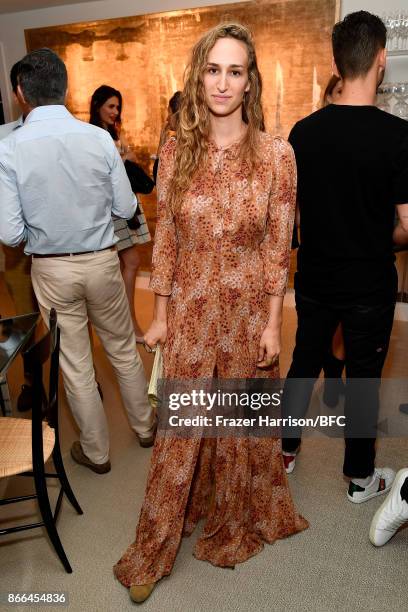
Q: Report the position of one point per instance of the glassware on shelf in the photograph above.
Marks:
(401, 107)
(397, 30)
(405, 34)
(399, 91)
(393, 32)
(384, 94)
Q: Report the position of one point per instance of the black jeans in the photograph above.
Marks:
(366, 331)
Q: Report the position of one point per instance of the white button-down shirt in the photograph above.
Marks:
(60, 182)
(7, 128)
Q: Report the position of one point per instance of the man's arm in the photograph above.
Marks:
(400, 235)
(297, 215)
(12, 227)
(124, 200)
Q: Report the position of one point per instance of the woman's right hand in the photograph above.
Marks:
(156, 334)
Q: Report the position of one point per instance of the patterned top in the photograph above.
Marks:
(220, 256)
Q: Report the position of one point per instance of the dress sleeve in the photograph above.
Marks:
(276, 245)
(165, 239)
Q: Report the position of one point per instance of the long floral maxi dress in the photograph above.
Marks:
(219, 258)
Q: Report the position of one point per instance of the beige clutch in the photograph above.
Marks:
(157, 373)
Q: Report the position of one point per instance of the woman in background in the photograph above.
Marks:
(226, 200)
(169, 126)
(332, 91)
(105, 112)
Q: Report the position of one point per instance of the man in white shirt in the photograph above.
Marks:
(60, 182)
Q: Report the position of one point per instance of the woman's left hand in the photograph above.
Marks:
(128, 154)
(269, 347)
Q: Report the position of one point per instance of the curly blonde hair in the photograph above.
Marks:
(194, 116)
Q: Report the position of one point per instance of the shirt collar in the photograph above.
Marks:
(51, 111)
(19, 123)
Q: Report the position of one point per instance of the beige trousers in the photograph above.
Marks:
(83, 287)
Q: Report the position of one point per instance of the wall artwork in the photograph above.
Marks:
(145, 57)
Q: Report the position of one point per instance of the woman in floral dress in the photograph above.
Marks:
(226, 201)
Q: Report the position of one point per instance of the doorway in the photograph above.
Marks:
(1, 111)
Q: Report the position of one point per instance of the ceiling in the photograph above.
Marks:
(14, 6)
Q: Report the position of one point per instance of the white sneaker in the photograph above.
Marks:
(392, 513)
(289, 461)
(380, 484)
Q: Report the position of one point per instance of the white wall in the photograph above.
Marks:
(397, 67)
(374, 6)
(12, 26)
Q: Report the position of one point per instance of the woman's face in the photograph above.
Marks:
(336, 92)
(226, 76)
(109, 112)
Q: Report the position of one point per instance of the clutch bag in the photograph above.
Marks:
(157, 373)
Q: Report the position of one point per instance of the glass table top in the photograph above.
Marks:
(14, 333)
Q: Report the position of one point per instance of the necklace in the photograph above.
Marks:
(236, 141)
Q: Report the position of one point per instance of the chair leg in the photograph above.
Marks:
(63, 478)
(45, 509)
(2, 402)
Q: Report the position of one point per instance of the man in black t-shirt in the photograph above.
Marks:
(352, 161)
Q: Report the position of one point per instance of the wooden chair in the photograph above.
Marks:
(4, 397)
(26, 445)
(5, 404)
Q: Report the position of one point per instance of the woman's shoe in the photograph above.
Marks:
(140, 592)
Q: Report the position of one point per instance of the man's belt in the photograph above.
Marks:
(112, 248)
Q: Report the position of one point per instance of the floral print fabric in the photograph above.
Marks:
(218, 259)
(226, 250)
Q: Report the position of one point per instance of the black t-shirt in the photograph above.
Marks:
(352, 170)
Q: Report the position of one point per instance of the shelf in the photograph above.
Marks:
(398, 53)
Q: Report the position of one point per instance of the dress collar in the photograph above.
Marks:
(229, 152)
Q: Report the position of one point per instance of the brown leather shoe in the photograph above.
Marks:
(147, 442)
(79, 456)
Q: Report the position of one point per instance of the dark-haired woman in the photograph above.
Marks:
(332, 91)
(169, 126)
(105, 111)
